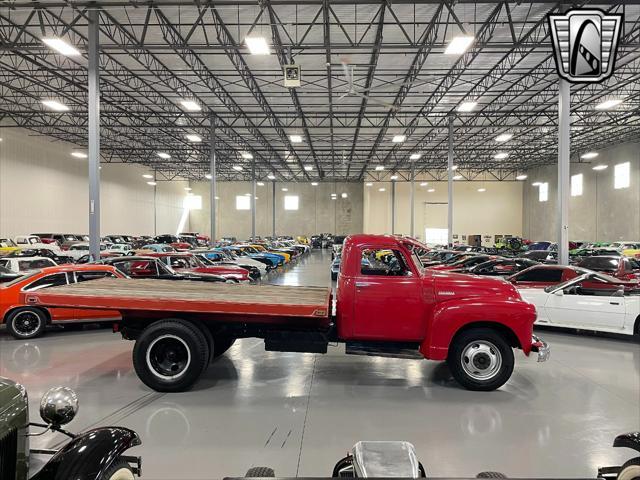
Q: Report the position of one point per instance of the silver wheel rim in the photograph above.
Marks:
(26, 323)
(152, 363)
(481, 360)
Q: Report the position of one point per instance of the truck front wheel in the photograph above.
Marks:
(170, 355)
(480, 359)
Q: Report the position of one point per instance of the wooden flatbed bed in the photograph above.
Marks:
(163, 297)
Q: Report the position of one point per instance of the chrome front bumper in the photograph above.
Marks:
(541, 347)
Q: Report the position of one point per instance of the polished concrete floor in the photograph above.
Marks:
(300, 413)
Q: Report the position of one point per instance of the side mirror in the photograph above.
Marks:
(59, 406)
(559, 293)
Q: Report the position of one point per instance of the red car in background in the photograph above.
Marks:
(623, 268)
(187, 262)
(29, 321)
(542, 276)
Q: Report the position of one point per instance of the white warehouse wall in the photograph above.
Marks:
(497, 211)
(601, 213)
(43, 188)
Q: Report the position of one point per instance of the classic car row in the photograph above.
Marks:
(229, 262)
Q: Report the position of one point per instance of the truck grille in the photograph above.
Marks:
(8, 455)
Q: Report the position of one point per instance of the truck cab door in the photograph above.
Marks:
(388, 303)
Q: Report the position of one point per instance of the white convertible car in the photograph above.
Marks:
(590, 302)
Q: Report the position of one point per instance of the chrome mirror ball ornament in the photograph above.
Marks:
(59, 406)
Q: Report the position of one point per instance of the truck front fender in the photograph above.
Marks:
(513, 317)
(89, 454)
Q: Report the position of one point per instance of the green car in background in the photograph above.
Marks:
(93, 455)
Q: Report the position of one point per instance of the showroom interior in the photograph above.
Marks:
(232, 232)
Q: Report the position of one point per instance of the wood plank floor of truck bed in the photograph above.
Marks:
(187, 296)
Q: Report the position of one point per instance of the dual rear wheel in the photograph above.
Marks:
(170, 355)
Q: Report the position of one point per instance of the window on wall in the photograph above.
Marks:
(576, 185)
(543, 192)
(436, 236)
(622, 175)
(291, 202)
(243, 202)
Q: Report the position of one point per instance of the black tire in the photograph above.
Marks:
(221, 345)
(260, 472)
(184, 349)
(630, 470)
(25, 323)
(480, 359)
(491, 475)
(119, 470)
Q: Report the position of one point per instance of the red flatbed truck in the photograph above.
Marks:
(387, 304)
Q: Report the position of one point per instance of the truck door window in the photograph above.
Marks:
(383, 262)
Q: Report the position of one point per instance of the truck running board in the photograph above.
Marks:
(384, 349)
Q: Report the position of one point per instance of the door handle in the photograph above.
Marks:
(362, 284)
(614, 303)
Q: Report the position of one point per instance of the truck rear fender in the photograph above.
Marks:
(512, 318)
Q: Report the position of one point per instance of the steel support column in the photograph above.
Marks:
(94, 134)
(450, 184)
(273, 209)
(253, 199)
(564, 139)
(412, 209)
(212, 173)
(393, 207)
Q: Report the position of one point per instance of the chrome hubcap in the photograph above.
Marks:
(481, 360)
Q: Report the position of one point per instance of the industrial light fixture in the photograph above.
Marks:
(260, 184)
(285, 189)
(246, 156)
(424, 184)
(191, 105)
(431, 190)
(467, 106)
(536, 184)
(153, 184)
(334, 194)
(164, 156)
(501, 156)
(344, 195)
(257, 45)
(295, 138)
(415, 156)
(368, 184)
(147, 175)
(193, 138)
(457, 177)
(589, 155)
(379, 168)
(399, 138)
(459, 45)
(382, 189)
(308, 168)
(188, 189)
(208, 176)
(454, 168)
(247, 194)
(271, 176)
(394, 177)
(237, 168)
(61, 46)
(55, 105)
(599, 168)
(314, 184)
(521, 177)
(504, 137)
(481, 190)
(79, 155)
(608, 104)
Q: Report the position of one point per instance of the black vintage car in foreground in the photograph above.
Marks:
(96, 454)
